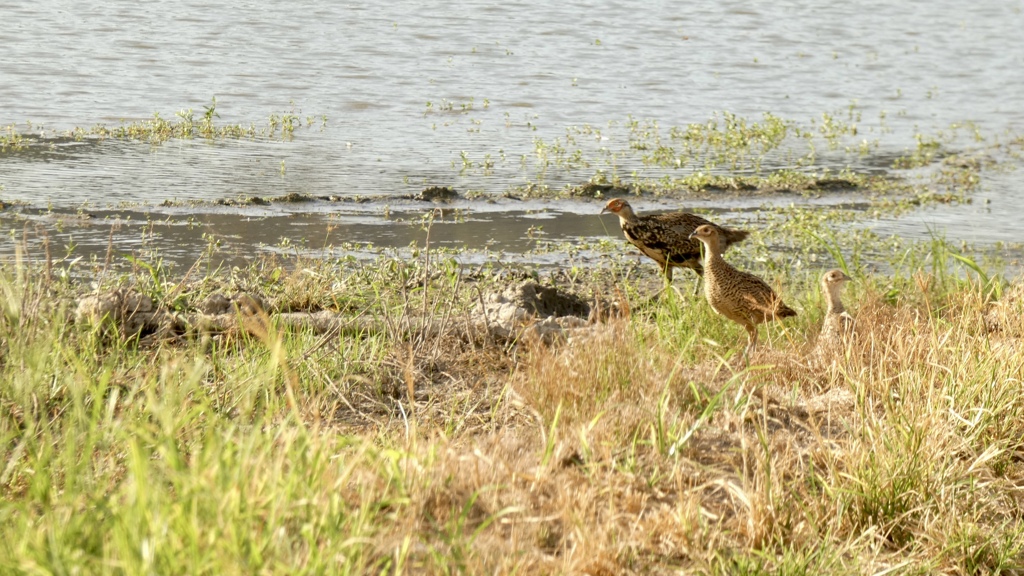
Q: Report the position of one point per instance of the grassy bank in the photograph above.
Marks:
(641, 445)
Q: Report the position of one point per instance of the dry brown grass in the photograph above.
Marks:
(904, 454)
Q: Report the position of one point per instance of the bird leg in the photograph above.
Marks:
(654, 297)
(751, 342)
(666, 271)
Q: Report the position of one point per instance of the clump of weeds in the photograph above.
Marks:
(408, 442)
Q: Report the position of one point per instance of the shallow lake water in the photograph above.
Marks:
(410, 94)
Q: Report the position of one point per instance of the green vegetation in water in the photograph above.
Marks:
(729, 153)
(726, 142)
(11, 140)
(158, 130)
(446, 106)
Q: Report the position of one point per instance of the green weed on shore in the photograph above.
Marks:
(640, 445)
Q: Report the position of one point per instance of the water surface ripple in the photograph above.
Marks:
(525, 69)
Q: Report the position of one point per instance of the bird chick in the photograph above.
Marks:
(837, 328)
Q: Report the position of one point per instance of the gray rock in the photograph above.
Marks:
(123, 307)
(437, 194)
(532, 310)
(215, 303)
(242, 302)
(546, 301)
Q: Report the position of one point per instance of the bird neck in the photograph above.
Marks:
(626, 216)
(712, 249)
(835, 305)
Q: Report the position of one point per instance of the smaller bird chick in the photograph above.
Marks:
(838, 326)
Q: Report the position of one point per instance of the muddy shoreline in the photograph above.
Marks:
(538, 232)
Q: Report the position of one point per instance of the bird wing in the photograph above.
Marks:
(681, 223)
(761, 297)
(641, 236)
(660, 239)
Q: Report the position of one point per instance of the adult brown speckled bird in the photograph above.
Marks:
(838, 326)
(737, 295)
(665, 238)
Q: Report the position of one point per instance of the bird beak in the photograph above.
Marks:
(692, 235)
(603, 210)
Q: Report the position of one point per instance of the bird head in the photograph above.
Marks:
(831, 285)
(616, 206)
(705, 233)
(834, 277)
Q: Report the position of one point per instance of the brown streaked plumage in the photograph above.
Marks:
(665, 238)
(737, 295)
(838, 325)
